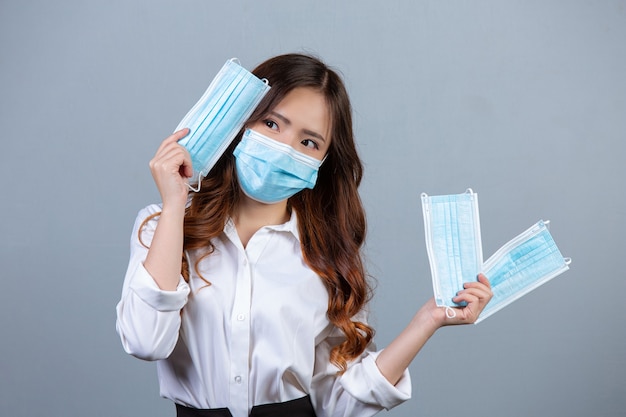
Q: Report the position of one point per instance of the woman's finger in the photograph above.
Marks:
(173, 138)
(172, 161)
(484, 280)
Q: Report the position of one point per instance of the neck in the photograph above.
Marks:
(250, 216)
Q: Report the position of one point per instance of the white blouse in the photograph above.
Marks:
(258, 334)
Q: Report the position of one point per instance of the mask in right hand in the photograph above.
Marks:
(219, 115)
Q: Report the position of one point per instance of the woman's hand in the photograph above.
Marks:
(394, 359)
(170, 167)
(476, 294)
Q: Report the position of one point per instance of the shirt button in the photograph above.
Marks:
(238, 379)
(241, 317)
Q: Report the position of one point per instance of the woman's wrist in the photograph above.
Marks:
(429, 318)
(173, 210)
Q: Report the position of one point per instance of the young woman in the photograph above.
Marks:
(250, 294)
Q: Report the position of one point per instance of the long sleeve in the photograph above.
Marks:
(148, 318)
(362, 390)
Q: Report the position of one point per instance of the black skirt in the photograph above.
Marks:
(301, 407)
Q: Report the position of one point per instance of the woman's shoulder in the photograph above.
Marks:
(150, 210)
(148, 214)
(146, 221)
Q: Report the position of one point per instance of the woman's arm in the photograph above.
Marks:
(148, 318)
(396, 357)
(170, 167)
(148, 314)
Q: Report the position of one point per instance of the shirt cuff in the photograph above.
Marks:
(147, 290)
(367, 384)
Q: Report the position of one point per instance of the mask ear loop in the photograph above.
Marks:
(450, 313)
(196, 189)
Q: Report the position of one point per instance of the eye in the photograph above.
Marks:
(270, 124)
(309, 143)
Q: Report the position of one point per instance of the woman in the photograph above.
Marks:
(264, 312)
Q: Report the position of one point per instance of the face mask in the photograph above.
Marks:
(523, 264)
(219, 115)
(270, 171)
(453, 243)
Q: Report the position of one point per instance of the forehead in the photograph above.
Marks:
(306, 108)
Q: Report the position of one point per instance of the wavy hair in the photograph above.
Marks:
(331, 218)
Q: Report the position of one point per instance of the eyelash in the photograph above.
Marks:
(315, 145)
(272, 125)
(268, 122)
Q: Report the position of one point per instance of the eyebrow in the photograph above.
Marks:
(306, 131)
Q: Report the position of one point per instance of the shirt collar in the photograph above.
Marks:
(290, 226)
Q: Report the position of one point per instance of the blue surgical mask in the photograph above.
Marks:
(270, 171)
(219, 115)
(523, 264)
(453, 243)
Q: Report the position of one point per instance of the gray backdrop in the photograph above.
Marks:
(524, 101)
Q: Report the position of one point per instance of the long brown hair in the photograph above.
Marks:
(331, 219)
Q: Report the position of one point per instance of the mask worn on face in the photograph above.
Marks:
(219, 115)
(271, 171)
(523, 264)
(453, 243)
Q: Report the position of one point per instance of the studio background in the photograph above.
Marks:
(524, 101)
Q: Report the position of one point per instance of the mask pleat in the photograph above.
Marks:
(453, 242)
(219, 115)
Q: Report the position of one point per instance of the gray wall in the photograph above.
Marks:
(524, 101)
